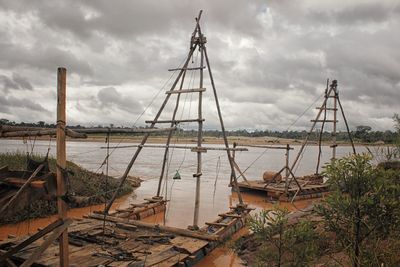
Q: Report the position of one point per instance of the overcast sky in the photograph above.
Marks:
(270, 59)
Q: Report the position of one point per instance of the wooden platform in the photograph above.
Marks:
(133, 243)
(141, 210)
(277, 190)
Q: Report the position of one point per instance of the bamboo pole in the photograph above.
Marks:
(309, 133)
(233, 174)
(169, 229)
(61, 162)
(137, 152)
(334, 144)
(165, 158)
(199, 135)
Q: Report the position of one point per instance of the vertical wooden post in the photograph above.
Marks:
(334, 144)
(61, 161)
(199, 137)
(287, 169)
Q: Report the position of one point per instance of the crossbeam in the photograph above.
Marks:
(195, 68)
(270, 147)
(180, 147)
(324, 120)
(176, 121)
(195, 90)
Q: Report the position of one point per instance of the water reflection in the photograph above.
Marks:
(216, 196)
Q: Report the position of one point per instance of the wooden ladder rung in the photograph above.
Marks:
(176, 121)
(327, 108)
(324, 121)
(196, 90)
(195, 68)
(199, 149)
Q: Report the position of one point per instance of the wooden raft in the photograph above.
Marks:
(142, 210)
(125, 242)
(276, 190)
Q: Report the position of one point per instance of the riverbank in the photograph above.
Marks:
(85, 187)
(241, 140)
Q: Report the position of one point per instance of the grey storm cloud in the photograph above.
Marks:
(16, 82)
(110, 98)
(270, 59)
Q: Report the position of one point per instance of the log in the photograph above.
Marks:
(44, 132)
(174, 230)
(270, 176)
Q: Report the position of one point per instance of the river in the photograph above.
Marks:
(215, 195)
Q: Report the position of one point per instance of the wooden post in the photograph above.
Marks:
(287, 169)
(199, 136)
(334, 144)
(61, 162)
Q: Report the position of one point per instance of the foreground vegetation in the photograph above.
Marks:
(86, 185)
(357, 224)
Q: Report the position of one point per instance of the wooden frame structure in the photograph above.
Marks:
(304, 188)
(198, 42)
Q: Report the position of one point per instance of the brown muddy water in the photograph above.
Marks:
(216, 196)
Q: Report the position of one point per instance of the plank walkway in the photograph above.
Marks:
(126, 242)
(276, 190)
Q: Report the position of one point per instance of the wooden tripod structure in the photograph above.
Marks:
(197, 43)
(331, 103)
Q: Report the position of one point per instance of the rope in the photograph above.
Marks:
(293, 123)
(143, 112)
(217, 168)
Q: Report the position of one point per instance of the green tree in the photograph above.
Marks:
(283, 244)
(362, 208)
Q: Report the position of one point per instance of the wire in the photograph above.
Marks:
(293, 123)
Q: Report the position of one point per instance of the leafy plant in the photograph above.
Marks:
(283, 244)
(363, 206)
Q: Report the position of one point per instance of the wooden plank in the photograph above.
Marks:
(216, 224)
(196, 90)
(230, 215)
(158, 258)
(324, 120)
(175, 121)
(191, 245)
(24, 186)
(195, 68)
(174, 230)
(31, 239)
(20, 182)
(46, 243)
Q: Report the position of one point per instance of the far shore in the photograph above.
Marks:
(240, 140)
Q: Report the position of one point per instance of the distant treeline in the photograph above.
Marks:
(360, 134)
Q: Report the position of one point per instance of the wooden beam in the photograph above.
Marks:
(269, 147)
(195, 68)
(46, 243)
(196, 90)
(31, 239)
(43, 132)
(175, 121)
(179, 147)
(122, 130)
(230, 216)
(217, 224)
(324, 121)
(61, 163)
(169, 229)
